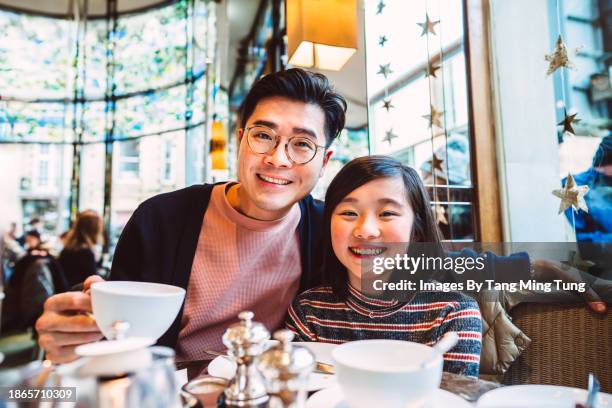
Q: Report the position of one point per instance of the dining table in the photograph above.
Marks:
(468, 388)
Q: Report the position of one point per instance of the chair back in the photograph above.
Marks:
(568, 341)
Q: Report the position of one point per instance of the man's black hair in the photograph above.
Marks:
(33, 233)
(303, 86)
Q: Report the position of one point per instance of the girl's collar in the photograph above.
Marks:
(371, 306)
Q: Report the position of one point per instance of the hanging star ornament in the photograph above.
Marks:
(431, 70)
(428, 26)
(567, 122)
(382, 40)
(434, 117)
(387, 104)
(385, 70)
(572, 195)
(380, 7)
(441, 215)
(558, 58)
(389, 136)
(436, 163)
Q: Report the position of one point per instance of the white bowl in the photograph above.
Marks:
(149, 308)
(387, 373)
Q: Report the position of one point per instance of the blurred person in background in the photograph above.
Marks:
(12, 232)
(78, 257)
(35, 224)
(37, 276)
(10, 252)
(594, 228)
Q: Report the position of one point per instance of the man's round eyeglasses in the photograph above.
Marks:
(263, 140)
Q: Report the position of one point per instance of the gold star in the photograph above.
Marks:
(558, 58)
(387, 104)
(389, 136)
(428, 25)
(572, 195)
(567, 122)
(380, 7)
(431, 70)
(436, 164)
(440, 215)
(434, 117)
(384, 70)
(382, 40)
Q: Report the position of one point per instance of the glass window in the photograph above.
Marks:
(167, 161)
(587, 92)
(44, 122)
(35, 49)
(349, 145)
(150, 51)
(419, 111)
(575, 90)
(43, 172)
(129, 159)
(151, 113)
(151, 82)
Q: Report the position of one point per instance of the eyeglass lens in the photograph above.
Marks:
(262, 140)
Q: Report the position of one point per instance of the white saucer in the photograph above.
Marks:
(532, 395)
(332, 398)
(225, 368)
(106, 347)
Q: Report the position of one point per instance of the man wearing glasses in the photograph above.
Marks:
(251, 244)
(234, 246)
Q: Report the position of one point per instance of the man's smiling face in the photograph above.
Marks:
(271, 183)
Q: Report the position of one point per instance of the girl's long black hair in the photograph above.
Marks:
(355, 174)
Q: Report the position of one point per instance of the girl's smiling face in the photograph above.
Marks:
(372, 215)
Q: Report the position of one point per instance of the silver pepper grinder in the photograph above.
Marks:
(286, 368)
(245, 341)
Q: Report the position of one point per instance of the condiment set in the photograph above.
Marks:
(128, 372)
(274, 376)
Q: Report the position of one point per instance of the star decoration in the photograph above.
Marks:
(436, 164)
(434, 117)
(572, 195)
(428, 25)
(567, 122)
(385, 70)
(440, 214)
(382, 40)
(389, 136)
(558, 58)
(380, 7)
(431, 70)
(387, 104)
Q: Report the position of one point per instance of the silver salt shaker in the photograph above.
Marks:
(286, 368)
(245, 341)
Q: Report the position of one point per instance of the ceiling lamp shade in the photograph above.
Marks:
(321, 33)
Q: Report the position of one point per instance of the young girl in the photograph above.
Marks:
(372, 201)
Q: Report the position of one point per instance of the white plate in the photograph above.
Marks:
(332, 398)
(549, 396)
(225, 368)
(106, 347)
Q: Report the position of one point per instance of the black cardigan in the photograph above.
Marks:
(159, 242)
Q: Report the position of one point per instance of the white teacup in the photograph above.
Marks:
(387, 373)
(148, 308)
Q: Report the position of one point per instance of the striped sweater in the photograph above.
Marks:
(319, 315)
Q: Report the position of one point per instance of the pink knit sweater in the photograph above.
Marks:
(240, 264)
